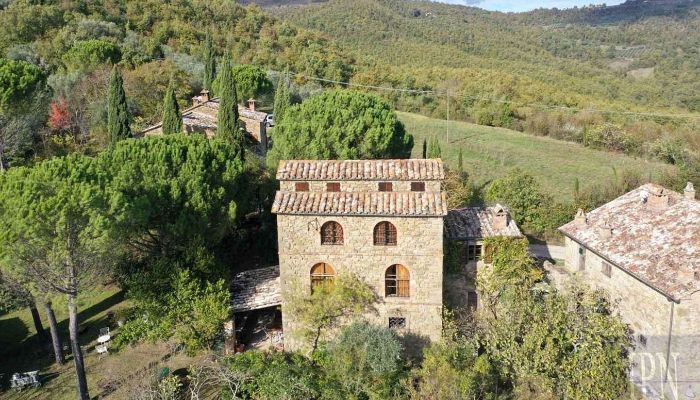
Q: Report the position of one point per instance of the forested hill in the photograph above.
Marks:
(641, 55)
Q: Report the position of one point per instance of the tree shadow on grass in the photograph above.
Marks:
(28, 353)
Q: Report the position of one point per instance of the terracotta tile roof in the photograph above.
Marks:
(405, 204)
(658, 245)
(478, 223)
(194, 116)
(256, 289)
(375, 170)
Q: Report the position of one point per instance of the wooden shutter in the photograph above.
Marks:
(301, 186)
(333, 187)
(385, 187)
(418, 186)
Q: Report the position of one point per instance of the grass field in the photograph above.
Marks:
(489, 153)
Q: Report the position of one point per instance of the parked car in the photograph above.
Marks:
(270, 120)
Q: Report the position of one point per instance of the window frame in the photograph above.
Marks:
(385, 234)
(474, 252)
(397, 283)
(385, 186)
(335, 237)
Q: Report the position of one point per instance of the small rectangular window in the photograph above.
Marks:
(606, 268)
(397, 323)
(472, 300)
(418, 186)
(474, 252)
(301, 186)
(581, 259)
(385, 187)
(332, 187)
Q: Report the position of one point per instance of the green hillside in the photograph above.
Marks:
(489, 153)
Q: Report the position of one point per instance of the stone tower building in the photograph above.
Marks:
(381, 220)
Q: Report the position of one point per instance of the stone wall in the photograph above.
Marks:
(362, 186)
(419, 248)
(648, 312)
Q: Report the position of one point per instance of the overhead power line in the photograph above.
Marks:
(521, 104)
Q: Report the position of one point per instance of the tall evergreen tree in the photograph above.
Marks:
(209, 62)
(460, 162)
(434, 150)
(117, 110)
(425, 148)
(282, 97)
(227, 127)
(172, 118)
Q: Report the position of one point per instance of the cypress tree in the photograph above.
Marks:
(172, 118)
(282, 97)
(227, 127)
(209, 63)
(434, 148)
(117, 110)
(425, 148)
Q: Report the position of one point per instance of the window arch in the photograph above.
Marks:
(397, 281)
(321, 274)
(331, 233)
(385, 234)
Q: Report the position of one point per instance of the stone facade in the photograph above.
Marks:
(419, 248)
(643, 254)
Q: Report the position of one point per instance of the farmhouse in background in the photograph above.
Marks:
(202, 118)
(643, 249)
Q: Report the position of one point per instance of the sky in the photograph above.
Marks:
(521, 5)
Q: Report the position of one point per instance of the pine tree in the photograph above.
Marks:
(172, 118)
(209, 63)
(117, 110)
(282, 97)
(460, 163)
(425, 148)
(228, 128)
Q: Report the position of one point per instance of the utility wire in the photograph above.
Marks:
(465, 95)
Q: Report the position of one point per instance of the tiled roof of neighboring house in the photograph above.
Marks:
(379, 170)
(478, 223)
(199, 119)
(658, 244)
(256, 289)
(243, 112)
(194, 117)
(406, 204)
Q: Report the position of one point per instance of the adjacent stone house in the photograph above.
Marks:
(202, 118)
(465, 231)
(643, 249)
(379, 219)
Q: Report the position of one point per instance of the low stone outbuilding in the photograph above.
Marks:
(643, 249)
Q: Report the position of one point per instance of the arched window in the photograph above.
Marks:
(385, 234)
(397, 281)
(321, 274)
(331, 233)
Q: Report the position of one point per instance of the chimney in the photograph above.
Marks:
(605, 232)
(500, 217)
(580, 220)
(658, 199)
(251, 104)
(202, 98)
(689, 191)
